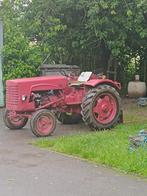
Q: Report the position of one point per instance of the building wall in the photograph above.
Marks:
(1, 74)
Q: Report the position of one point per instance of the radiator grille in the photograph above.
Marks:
(12, 95)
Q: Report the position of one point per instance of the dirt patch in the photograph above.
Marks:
(133, 112)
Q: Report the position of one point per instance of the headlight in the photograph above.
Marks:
(24, 97)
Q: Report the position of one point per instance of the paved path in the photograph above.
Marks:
(28, 171)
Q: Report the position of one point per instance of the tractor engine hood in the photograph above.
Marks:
(40, 83)
(18, 89)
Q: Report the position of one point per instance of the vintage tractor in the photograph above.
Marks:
(90, 97)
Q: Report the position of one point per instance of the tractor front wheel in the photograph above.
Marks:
(14, 121)
(43, 123)
(101, 107)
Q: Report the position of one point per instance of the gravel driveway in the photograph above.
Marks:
(28, 171)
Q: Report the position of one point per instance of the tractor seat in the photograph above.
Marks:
(84, 77)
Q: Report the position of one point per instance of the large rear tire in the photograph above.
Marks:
(43, 123)
(65, 118)
(101, 108)
(16, 122)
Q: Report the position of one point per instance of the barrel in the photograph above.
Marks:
(136, 88)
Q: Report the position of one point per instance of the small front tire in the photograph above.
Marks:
(14, 122)
(43, 123)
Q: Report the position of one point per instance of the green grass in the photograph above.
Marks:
(110, 148)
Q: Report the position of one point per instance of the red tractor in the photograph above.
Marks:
(92, 98)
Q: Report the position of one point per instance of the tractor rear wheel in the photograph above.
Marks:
(43, 123)
(14, 122)
(65, 118)
(101, 107)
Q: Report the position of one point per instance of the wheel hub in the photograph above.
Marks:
(16, 119)
(44, 124)
(104, 108)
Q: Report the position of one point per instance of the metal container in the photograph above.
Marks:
(136, 88)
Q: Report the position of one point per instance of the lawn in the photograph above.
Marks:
(110, 148)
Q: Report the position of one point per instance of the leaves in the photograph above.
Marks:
(129, 13)
(82, 32)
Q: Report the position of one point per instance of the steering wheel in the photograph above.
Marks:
(63, 72)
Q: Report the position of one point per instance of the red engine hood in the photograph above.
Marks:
(17, 88)
(57, 82)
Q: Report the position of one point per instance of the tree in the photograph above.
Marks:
(42, 25)
(21, 59)
(91, 33)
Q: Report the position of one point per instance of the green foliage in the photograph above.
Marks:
(27, 42)
(84, 32)
(21, 59)
(42, 25)
(99, 30)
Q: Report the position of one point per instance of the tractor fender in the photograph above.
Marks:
(96, 82)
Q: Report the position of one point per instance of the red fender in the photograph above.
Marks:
(96, 82)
